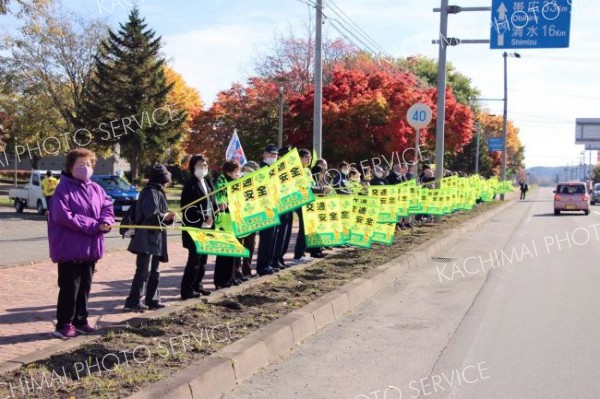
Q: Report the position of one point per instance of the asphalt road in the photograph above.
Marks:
(24, 238)
(526, 328)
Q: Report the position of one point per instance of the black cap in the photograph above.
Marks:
(159, 174)
(272, 149)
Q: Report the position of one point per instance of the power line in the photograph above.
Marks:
(555, 94)
(342, 15)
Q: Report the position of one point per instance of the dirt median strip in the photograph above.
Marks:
(161, 348)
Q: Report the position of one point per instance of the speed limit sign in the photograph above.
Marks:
(419, 115)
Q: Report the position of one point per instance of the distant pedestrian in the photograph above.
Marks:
(150, 245)
(81, 213)
(524, 189)
(49, 185)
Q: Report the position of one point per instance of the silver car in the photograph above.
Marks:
(595, 194)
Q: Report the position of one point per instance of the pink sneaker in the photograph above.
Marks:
(86, 329)
(68, 331)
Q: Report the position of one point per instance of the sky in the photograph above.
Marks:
(214, 43)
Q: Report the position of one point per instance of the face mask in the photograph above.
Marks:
(83, 173)
(270, 161)
(200, 173)
(345, 171)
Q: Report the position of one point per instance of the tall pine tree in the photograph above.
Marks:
(126, 103)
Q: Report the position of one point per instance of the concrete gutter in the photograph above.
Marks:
(238, 362)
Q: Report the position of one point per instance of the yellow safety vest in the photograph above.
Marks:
(49, 185)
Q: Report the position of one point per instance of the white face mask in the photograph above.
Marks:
(270, 161)
(200, 173)
(345, 171)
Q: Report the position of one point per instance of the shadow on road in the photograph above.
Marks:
(553, 215)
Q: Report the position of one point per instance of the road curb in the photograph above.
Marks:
(250, 354)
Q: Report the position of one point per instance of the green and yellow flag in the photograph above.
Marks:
(292, 185)
(346, 205)
(384, 233)
(388, 202)
(364, 212)
(222, 243)
(323, 222)
(253, 203)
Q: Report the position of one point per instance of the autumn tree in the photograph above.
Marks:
(464, 161)
(491, 126)
(52, 55)
(45, 67)
(129, 86)
(290, 60)
(364, 114)
(252, 110)
(427, 69)
(182, 98)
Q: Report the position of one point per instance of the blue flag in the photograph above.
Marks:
(235, 150)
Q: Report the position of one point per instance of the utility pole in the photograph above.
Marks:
(445, 41)
(477, 129)
(505, 55)
(504, 122)
(280, 129)
(441, 100)
(318, 97)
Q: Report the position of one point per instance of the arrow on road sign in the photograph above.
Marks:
(502, 11)
(501, 40)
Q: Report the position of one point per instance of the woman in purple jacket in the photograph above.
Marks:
(80, 214)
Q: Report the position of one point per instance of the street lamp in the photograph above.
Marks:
(505, 55)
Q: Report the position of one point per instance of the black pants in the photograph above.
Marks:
(225, 270)
(145, 281)
(266, 247)
(300, 248)
(249, 242)
(48, 197)
(75, 283)
(282, 237)
(523, 194)
(288, 235)
(195, 268)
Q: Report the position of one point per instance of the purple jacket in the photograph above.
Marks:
(76, 211)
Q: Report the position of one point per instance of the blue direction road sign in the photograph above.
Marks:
(530, 24)
(495, 144)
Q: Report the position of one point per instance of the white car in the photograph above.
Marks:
(31, 196)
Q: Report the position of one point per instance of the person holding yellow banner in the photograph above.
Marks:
(266, 243)
(226, 266)
(198, 215)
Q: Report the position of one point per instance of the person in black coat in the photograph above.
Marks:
(378, 178)
(199, 215)
(283, 232)
(397, 175)
(266, 243)
(150, 246)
